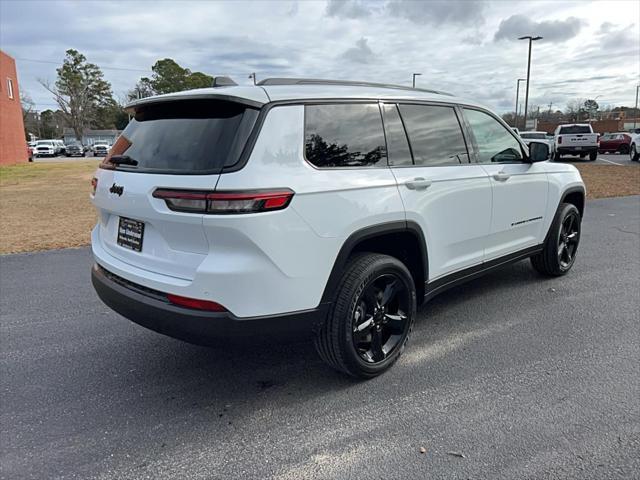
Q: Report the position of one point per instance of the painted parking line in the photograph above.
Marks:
(609, 161)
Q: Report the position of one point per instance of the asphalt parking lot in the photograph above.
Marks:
(510, 376)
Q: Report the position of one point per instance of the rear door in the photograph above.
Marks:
(449, 197)
(180, 145)
(519, 187)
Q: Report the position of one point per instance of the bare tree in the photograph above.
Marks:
(80, 91)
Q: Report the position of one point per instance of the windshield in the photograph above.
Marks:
(45, 143)
(575, 129)
(189, 136)
(536, 136)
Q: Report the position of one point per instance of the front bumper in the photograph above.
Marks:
(148, 308)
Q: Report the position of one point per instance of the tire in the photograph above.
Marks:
(593, 156)
(561, 245)
(623, 149)
(634, 155)
(556, 157)
(347, 340)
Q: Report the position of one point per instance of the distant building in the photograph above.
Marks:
(13, 146)
(91, 136)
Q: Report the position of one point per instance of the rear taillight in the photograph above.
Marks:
(195, 303)
(225, 202)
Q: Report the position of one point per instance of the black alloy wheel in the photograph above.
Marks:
(372, 315)
(568, 240)
(380, 319)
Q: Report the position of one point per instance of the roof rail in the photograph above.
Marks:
(318, 81)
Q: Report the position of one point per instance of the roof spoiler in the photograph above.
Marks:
(223, 82)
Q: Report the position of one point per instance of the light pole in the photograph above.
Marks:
(526, 96)
(414, 79)
(253, 76)
(515, 120)
(635, 114)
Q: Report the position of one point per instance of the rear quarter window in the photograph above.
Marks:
(344, 135)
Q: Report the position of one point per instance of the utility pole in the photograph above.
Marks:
(414, 79)
(635, 114)
(515, 120)
(526, 97)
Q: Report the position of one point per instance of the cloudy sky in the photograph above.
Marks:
(590, 49)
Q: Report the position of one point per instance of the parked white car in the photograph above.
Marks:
(100, 149)
(539, 137)
(576, 139)
(46, 148)
(634, 147)
(330, 209)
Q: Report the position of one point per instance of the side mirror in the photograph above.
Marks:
(538, 151)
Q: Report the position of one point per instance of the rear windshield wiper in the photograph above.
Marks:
(123, 160)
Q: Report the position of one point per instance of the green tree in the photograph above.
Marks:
(80, 91)
(50, 124)
(169, 77)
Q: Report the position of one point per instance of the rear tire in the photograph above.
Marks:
(634, 155)
(371, 319)
(561, 245)
(593, 156)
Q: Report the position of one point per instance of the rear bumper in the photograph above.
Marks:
(149, 309)
(577, 150)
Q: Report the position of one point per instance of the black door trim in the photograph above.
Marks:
(444, 283)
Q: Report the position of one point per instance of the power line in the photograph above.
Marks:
(126, 69)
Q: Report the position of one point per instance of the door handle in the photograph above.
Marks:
(501, 176)
(418, 183)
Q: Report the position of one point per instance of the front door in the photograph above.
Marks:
(520, 188)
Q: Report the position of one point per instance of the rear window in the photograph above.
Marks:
(574, 129)
(190, 136)
(344, 135)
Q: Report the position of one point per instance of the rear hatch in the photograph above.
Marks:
(178, 145)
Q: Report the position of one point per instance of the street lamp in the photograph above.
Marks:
(526, 97)
(414, 79)
(515, 120)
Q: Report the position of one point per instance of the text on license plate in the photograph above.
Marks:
(130, 233)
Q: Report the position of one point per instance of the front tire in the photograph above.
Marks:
(371, 318)
(560, 247)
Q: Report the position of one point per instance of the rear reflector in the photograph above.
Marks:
(225, 202)
(195, 303)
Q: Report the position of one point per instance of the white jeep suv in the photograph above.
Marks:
(324, 208)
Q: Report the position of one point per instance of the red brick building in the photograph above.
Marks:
(13, 146)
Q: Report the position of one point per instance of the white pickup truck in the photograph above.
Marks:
(576, 139)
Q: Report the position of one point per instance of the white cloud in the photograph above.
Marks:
(448, 42)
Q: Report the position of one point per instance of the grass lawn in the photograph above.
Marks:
(46, 205)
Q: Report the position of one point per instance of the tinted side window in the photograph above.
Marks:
(494, 142)
(397, 144)
(435, 135)
(344, 135)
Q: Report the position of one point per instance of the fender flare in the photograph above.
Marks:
(366, 233)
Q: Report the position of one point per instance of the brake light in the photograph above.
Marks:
(195, 303)
(225, 202)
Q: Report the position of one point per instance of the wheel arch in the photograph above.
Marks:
(401, 239)
(575, 196)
